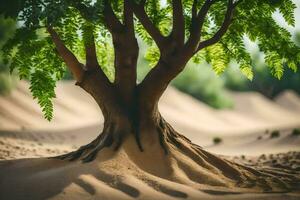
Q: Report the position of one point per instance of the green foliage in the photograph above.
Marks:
(263, 81)
(105, 54)
(259, 25)
(297, 38)
(104, 50)
(76, 21)
(160, 15)
(34, 61)
(7, 80)
(275, 63)
(152, 55)
(42, 88)
(286, 9)
(217, 57)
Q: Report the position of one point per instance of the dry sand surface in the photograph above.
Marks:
(248, 135)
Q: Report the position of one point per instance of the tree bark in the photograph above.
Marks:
(120, 121)
(126, 112)
(137, 122)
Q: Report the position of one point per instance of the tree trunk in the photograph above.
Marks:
(124, 118)
(151, 136)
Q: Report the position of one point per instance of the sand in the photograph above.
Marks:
(245, 132)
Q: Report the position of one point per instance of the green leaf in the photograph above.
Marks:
(152, 55)
(247, 71)
(275, 63)
(287, 8)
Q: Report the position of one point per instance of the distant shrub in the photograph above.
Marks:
(275, 134)
(7, 80)
(217, 140)
(296, 132)
(67, 75)
(259, 138)
(202, 83)
(263, 82)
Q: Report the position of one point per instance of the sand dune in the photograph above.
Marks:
(20, 108)
(252, 116)
(244, 130)
(289, 100)
(256, 106)
(118, 176)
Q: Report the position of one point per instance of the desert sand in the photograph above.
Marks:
(245, 132)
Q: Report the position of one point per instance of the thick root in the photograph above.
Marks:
(241, 176)
(198, 165)
(88, 152)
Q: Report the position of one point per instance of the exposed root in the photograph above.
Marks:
(161, 129)
(198, 165)
(240, 175)
(119, 142)
(88, 152)
(105, 142)
(138, 141)
(74, 155)
(137, 136)
(107, 138)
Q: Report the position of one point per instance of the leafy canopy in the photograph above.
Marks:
(33, 53)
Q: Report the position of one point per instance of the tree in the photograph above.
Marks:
(177, 31)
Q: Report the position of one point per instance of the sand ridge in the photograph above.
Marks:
(246, 129)
(115, 176)
(252, 112)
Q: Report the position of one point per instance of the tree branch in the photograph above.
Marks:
(158, 79)
(125, 50)
(224, 27)
(128, 16)
(196, 25)
(236, 3)
(168, 67)
(92, 62)
(90, 53)
(111, 20)
(178, 21)
(71, 61)
(148, 25)
(194, 9)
